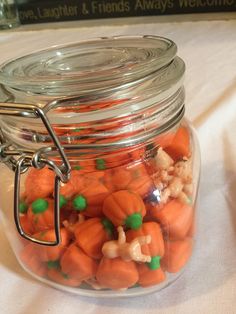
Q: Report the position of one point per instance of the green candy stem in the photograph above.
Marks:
(77, 130)
(53, 264)
(100, 164)
(108, 226)
(65, 276)
(134, 221)
(39, 206)
(62, 201)
(80, 203)
(78, 167)
(23, 208)
(155, 263)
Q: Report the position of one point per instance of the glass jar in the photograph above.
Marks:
(105, 167)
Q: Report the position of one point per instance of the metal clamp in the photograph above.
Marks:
(31, 111)
(23, 162)
(20, 161)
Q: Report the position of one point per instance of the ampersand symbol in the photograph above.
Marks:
(84, 9)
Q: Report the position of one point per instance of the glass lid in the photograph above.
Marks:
(88, 65)
(107, 88)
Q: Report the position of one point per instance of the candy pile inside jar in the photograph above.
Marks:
(127, 219)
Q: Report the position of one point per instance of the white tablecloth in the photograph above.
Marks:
(209, 283)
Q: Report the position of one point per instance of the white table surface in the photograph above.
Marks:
(209, 283)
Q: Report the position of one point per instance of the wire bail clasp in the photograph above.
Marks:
(22, 166)
(38, 160)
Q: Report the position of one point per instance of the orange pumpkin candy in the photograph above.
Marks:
(39, 183)
(143, 186)
(149, 277)
(26, 225)
(30, 259)
(141, 182)
(155, 249)
(76, 264)
(41, 214)
(74, 185)
(91, 197)
(117, 179)
(92, 234)
(58, 276)
(164, 140)
(180, 145)
(177, 254)
(175, 218)
(124, 208)
(51, 253)
(156, 246)
(137, 170)
(116, 273)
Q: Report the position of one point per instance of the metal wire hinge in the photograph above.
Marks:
(20, 160)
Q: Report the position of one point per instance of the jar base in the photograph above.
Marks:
(92, 293)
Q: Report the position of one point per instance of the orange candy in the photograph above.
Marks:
(117, 179)
(164, 140)
(92, 234)
(149, 277)
(141, 182)
(31, 260)
(61, 278)
(143, 186)
(26, 225)
(180, 146)
(51, 253)
(41, 214)
(74, 185)
(76, 264)
(95, 194)
(39, 183)
(124, 208)
(177, 253)
(175, 218)
(116, 273)
(90, 199)
(111, 185)
(156, 247)
(137, 170)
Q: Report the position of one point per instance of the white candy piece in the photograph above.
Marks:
(183, 170)
(173, 180)
(127, 251)
(162, 160)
